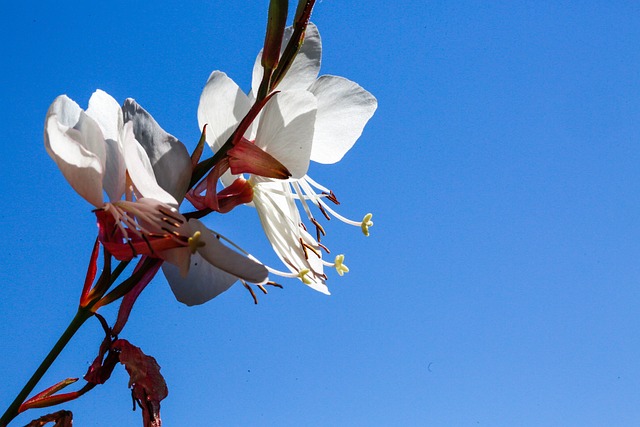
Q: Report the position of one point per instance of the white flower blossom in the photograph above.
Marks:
(341, 110)
(103, 148)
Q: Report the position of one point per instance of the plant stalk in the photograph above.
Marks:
(78, 320)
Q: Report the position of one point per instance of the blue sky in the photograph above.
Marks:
(500, 284)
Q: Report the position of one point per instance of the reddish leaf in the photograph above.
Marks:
(130, 298)
(147, 384)
(60, 418)
(91, 274)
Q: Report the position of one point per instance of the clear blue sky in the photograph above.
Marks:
(500, 285)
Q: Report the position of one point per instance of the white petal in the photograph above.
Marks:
(226, 259)
(280, 220)
(202, 283)
(114, 180)
(286, 129)
(179, 257)
(108, 115)
(140, 169)
(169, 158)
(89, 135)
(305, 67)
(344, 108)
(222, 106)
(72, 138)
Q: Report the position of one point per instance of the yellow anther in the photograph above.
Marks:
(340, 267)
(303, 276)
(195, 243)
(366, 223)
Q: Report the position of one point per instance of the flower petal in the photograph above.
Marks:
(169, 158)
(108, 115)
(140, 169)
(305, 67)
(286, 130)
(226, 259)
(202, 283)
(344, 108)
(75, 143)
(106, 111)
(280, 220)
(222, 106)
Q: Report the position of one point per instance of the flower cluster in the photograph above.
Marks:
(146, 172)
(137, 176)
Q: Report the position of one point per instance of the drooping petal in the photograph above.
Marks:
(169, 158)
(108, 115)
(281, 221)
(226, 259)
(202, 283)
(178, 257)
(72, 138)
(344, 108)
(222, 106)
(140, 169)
(305, 67)
(286, 130)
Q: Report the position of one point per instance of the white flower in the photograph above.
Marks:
(101, 149)
(342, 110)
(284, 130)
(211, 267)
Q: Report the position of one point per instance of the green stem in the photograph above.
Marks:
(12, 411)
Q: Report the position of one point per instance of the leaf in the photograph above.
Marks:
(60, 418)
(147, 384)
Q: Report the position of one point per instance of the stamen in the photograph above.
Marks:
(366, 223)
(304, 249)
(339, 265)
(274, 284)
(319, 229)
(171, 223)
(299, 192)
(148, 244)
(171, 232)
(303, 276)
(173, 217)
(264, 291)
(324, 247)
(287, 275)
(253, 294)
(321, 206)
(133, 249)
(332, 197)
(306, 246)
(315, 184)
(194, 242)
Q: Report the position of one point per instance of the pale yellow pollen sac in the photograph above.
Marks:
(194, 242)
(339, 265)
(302, 275)
(366, 223)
